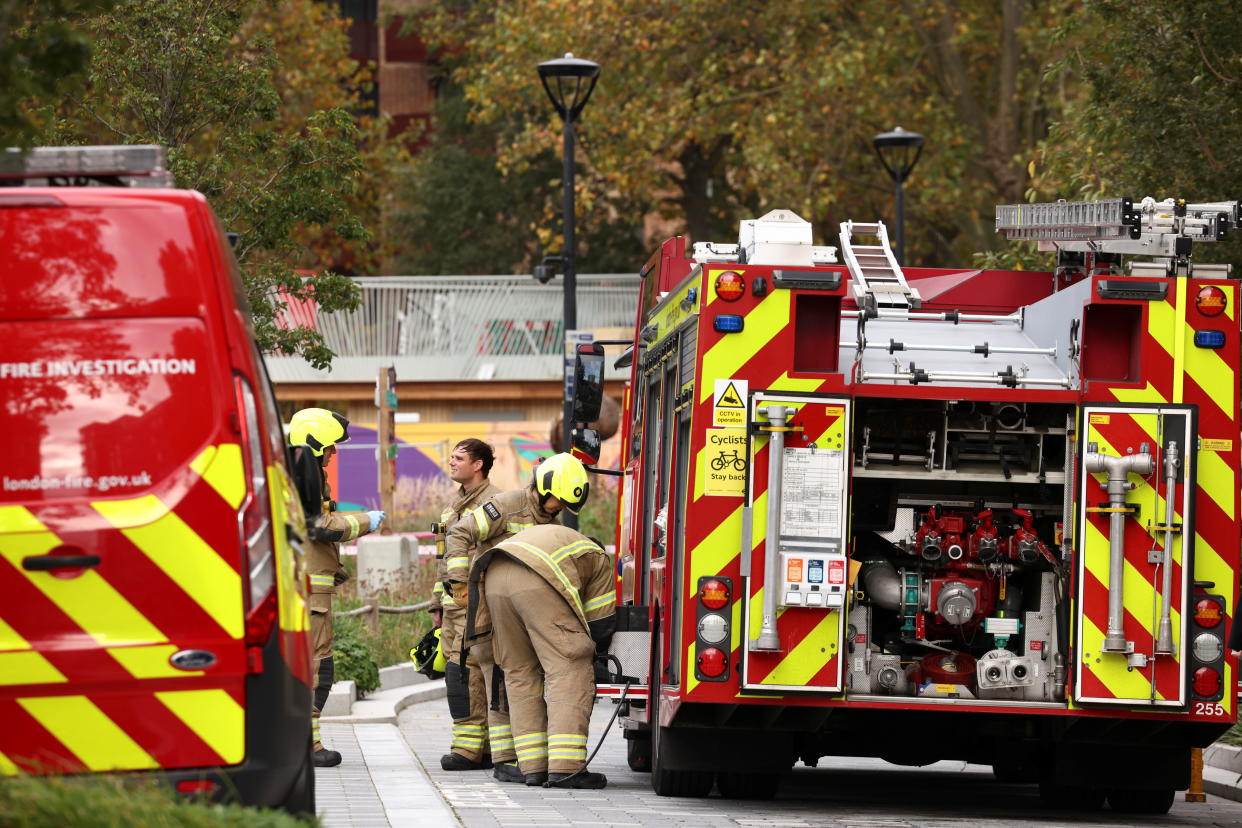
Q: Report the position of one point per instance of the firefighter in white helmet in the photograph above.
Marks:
(559, 481)
(320, 431)
(469, 464)
(549, 594)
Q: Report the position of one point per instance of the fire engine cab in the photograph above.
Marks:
(927, 513)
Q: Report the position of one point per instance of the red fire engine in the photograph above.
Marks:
(926, 514)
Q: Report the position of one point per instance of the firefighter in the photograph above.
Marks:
(321, 430)
(559, 481)
(469, 466)
(550, 596)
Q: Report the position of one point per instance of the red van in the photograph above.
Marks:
(155, 610)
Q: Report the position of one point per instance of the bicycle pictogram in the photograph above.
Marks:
(721, 461)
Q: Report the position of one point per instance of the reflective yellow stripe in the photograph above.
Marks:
(569, 549)
(221, 466)
(10, 639)
(92, 603)
(214, 716)
(604, 600)
(150, 662)
(355, 528)
(7, 768)
(461, 560)
(88, 733)
(514, 528)
(480, 520)
(556, 570)
(183, 556)
(28, 667)
(16, 519)
(323, 580)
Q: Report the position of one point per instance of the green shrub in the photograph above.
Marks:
(112, 802)
(353, 657)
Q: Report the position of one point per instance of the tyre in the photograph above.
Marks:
(748, 785)
(1071, 797)
(300, 801)
(667, 781)
(1143, 801)
(638, 754)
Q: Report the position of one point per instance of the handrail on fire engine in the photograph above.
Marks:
(933, 316)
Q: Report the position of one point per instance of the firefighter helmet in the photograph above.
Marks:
(318, 428)
(428, 655)
(564, 477)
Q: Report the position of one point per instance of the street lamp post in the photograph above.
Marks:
(569, 82)
(899, 151)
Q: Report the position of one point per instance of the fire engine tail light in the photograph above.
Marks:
(730, 286)
(255, 525)
(714, 594)
(1206, 648)
(1207, 613)
(1207, 682)
(712, 662)
(1211, 301)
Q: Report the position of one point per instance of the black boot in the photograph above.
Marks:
(457, 762)
(508, 772)
(325, 758)
(534, 780)
(583, 780)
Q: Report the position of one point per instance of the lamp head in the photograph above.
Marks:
(898, 151)
(569, 82)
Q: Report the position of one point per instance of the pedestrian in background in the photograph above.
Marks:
(469, 466)
(321, 430)
(550, 598)
(559, 481)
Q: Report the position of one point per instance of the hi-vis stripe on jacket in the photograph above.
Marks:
(504, 515)
(323, 556)
(461, 508)
(578, 569)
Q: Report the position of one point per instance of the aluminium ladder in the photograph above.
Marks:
(874, 269)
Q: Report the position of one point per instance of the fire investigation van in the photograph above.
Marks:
(154, 619)
(925, 514)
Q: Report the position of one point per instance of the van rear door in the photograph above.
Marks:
(121, 473)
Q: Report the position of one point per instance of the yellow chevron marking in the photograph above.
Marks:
(1161, 319)
(1213, 375)
(1096, 558)
(809, 655)
(92, 603)
(786, 383)
(733, 351)
(1139, 395)
(1111, 668)
(699, 475)
(28, 667)
(717, 549)
(7, 768)
(88, 733)
(183, 556)
(221, 466)
(150, 662)
(1216, 477)
(691, 681)
(214, 716)
(10, 639)
(17, 519)
(1180, 330)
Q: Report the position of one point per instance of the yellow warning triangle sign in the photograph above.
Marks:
(730, 399)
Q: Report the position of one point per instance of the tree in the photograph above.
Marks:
(713, 112)
(202, 78)
(42, 55)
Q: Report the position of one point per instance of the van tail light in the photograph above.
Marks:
(196, 786)
(254, 522)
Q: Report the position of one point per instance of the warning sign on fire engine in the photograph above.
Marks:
(729, 403)
(724, 462)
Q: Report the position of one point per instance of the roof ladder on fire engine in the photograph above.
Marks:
(875, 270)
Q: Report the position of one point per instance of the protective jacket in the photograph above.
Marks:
(462, 505)
(323, 557)
(500, 517)
(573, 565)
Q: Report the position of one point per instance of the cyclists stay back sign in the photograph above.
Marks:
(724, 462)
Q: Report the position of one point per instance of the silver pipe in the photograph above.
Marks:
(963, 349)
(1118, 468)
(960, 376)
(768, 638)
(881, 583)
(1164, 634)
(937, 317)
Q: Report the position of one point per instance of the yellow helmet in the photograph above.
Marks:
(318, 428)
(564, 477)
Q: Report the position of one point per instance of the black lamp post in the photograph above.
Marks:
(569, 82)
(899, 151)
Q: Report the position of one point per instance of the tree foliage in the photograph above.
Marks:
(712, 112)
(252, 101)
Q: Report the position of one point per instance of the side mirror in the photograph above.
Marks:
(588, 382)
(586, 445)
(308, 479)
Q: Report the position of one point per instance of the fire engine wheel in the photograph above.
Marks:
(1071, 797)
(301, 798)
(638, 754)
(748, 785)
(666, 781)
(1145, 801)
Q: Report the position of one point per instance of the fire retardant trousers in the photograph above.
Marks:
(467, 700)
(322, 668)
(546, 657)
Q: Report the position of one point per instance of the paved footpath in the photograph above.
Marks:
(387, 780)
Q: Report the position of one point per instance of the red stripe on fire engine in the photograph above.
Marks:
(206, 512)
(30, 745)
(158, 731)
(1168, 677)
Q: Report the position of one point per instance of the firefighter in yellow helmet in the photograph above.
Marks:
(320, 431)
(549, 593)
(559, 482)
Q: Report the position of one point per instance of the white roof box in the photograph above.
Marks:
(782, 237)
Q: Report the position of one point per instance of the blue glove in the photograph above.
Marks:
(376, 519)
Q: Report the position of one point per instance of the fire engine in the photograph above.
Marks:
(926, 513)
